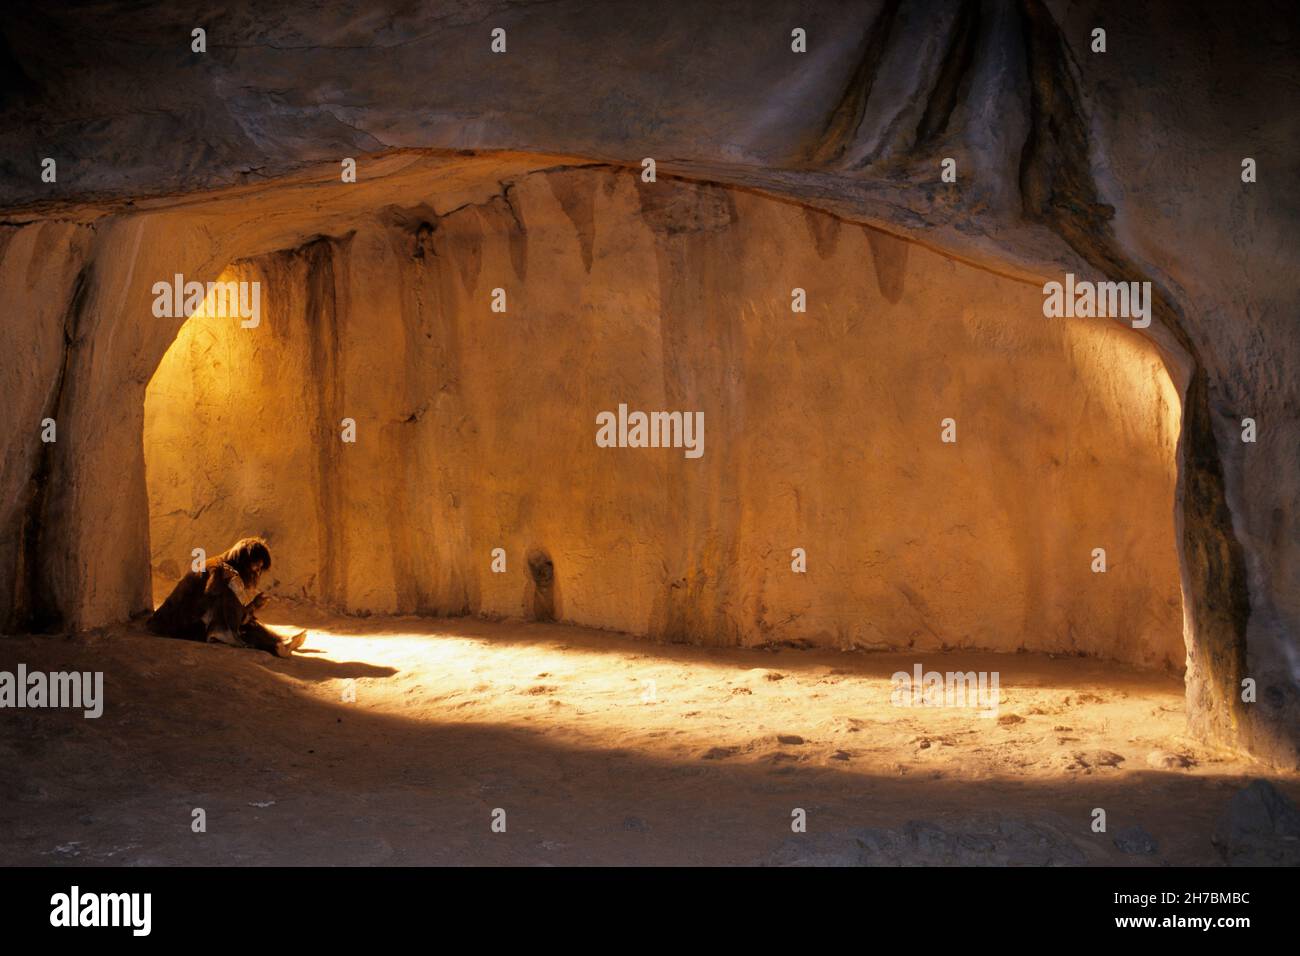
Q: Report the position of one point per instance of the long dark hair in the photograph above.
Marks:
(243, 554)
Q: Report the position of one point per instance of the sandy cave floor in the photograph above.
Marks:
(456, 717)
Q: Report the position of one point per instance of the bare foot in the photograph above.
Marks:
(288, 645)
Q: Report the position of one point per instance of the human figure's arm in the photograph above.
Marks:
(223, 576)
(223, 613)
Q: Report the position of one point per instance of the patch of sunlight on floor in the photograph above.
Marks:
(1053, 717)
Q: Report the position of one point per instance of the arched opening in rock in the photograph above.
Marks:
(949, 469)
(472, 555)
(898, 453)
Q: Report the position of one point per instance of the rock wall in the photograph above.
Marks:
(1124, 164)
(476, 429)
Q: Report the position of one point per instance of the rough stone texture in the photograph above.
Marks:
(1260, 827)
(1125, 163)
(1136, 840)
(979, 841)
(43, 277)
(477, 429)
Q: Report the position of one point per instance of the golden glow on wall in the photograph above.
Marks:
(219, 431)
(476, 430)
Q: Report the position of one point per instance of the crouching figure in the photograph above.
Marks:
(219, 603)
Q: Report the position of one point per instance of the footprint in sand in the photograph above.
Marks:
(720, 753)
(1094, 760)
(1168, 760)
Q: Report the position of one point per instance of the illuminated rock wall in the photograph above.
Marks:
(476, 429)
(1123, 164)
